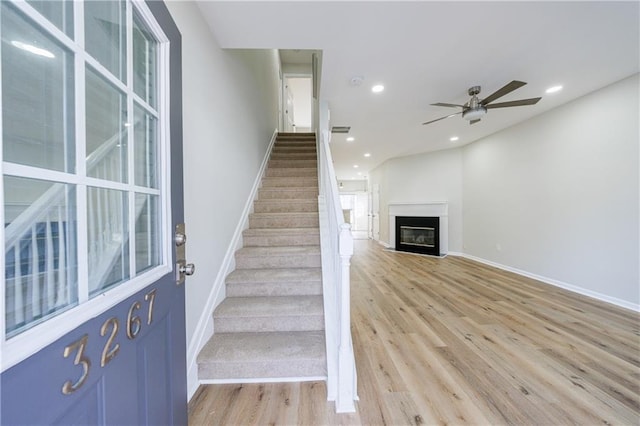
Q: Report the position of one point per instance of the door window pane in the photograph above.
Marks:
(106, 129)
(37, 96)
(40, 251)
(147, 232)
(144, 62)
(105, 34)
(108, 238)
(58, 12)
(120, 132)
(145, 148)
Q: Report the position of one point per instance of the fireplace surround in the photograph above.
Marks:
(437, 209)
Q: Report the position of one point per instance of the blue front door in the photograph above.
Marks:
(93, 317)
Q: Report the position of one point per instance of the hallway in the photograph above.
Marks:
(452, 341)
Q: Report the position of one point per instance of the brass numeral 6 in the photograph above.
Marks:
(134, 323)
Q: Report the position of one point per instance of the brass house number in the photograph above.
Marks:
(111, 348)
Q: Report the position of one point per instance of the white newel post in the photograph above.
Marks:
(346, 368)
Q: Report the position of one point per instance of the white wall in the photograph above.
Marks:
(288, 68)
(557, 196)
(230, 111)
(423, 178)
(352, 185)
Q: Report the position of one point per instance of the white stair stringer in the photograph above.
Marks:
(270, 327)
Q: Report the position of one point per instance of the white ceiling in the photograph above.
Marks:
(427, 52)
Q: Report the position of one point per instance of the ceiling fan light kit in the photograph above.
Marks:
(476, 108)
(474, 113)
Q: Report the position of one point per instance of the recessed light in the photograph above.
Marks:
(453, 138)
(366, 154)
(359, 173)
(351, 139)
(355, 166)
(554, 89)
(377, 88)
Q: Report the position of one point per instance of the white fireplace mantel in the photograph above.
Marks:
(430, 209)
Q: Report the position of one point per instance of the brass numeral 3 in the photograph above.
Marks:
(69, 387)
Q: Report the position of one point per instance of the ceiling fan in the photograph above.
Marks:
(476, 108)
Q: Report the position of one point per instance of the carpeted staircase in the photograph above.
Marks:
(271, 324)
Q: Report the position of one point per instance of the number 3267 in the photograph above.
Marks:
(111, 348)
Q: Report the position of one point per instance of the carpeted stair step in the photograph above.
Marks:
(292, 172)
(285, 206)
(288, 163)
(295, 143)
(296, 136)
(293, 156)
(308, 193)
(269, 313)
(278, 257)
(289, 182)
(274, 282)
(284, 220)
(294, 148)
(280, 237)
(246, 356)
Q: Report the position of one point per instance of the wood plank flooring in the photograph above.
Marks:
(451, 341)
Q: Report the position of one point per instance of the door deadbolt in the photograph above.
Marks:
(180, 239)
(183, 269)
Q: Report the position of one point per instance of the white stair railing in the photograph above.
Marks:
(337, 248)
(37, 249)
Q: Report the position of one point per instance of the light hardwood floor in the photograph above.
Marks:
(451, 341)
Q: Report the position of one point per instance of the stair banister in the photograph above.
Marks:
(337, 248)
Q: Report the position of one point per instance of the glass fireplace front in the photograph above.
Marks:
(418, 236)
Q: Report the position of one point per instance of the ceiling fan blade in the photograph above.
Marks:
(443, 104)
(474, 121)
(442, 118)
(510, 87)
(521, 102)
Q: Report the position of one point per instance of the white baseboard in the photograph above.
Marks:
(383, 244)
(599, 296)
(204, 329)
(264, 380)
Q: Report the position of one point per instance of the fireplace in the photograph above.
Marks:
(418, 234)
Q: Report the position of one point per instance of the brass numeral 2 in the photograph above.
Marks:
(109, 352)
(110, 349)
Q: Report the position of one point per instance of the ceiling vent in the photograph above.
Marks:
(340, 129)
